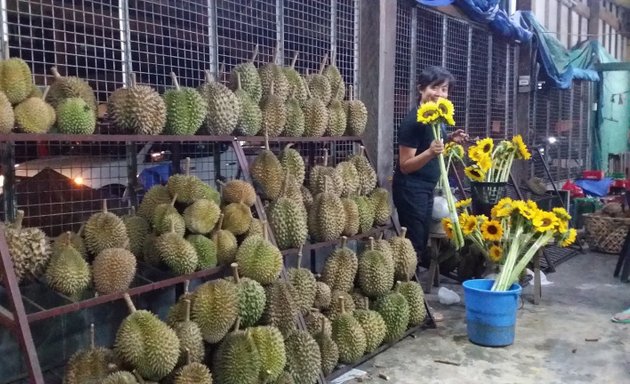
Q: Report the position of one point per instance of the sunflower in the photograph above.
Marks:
(496, 253)
(492, 230)
(468, 223)
(448, 227)
(485, 163)
(428, 113)
(532, 205)
(475, 153)
(454, 149)
(561, 213)
(463, 203)
(544, 221)
(486, 145)
(475, 173)
(446, 108)
(521, 148)
(503, 208)
(449, 120)
(562, 226)
(524, 209)
(570, 238)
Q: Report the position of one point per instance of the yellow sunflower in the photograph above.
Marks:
(475, 173)
(521, 148)
(463, 203)
(570, 238)
(562, 226)
(448, 227)
(492, 230)
(524, 209)
(428, 113)
(503, 208)
(468, 223)
(446, 108)
(532, 205)
(496, 253)
(454, 149)
(485, 163)
(561, 213)
(544, 221)
(486, 146)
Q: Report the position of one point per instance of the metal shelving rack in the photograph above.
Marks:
(19, 321)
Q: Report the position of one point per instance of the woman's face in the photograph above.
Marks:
(433, 92)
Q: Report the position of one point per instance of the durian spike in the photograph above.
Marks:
(342, 304)
(19, 218)
(132, 308)
(238, 81)
(55, 72)
(45, 92)
(299, 256)
(371, 239)
(187, 166)
(254, 54)
(264, 225)
(104, 205)
(323, 64)
(92, 337)
(237, 278)
(295, 57)
(174, 80)
(344, 241)
(132, 79)
(403, 232)
(325, 157)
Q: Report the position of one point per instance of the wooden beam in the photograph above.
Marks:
(593, 21)
(581, 9)
(609, 18)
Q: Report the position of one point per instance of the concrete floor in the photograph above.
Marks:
(551, 339)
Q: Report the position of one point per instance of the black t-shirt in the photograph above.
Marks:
(413, 134)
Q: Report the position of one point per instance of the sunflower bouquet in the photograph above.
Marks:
(436, 114)
(513, 234)
(492, 163)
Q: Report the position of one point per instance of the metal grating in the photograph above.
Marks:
(478, 86)
(457, 63)
(347, 40)
(499, 93)
(307, 28)
(402, 81)
(430, 39)
(169, 36)
(80, 38)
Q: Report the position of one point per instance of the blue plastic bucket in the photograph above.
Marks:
(490, 316)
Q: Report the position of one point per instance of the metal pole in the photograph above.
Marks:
(4, 28)
(333, 31)
(444, 39)
(213, 37)
(279, 59)
(357, 31)
(506, 119)
(489, 87)
(125, 37)
(413, 49)
(468, 79)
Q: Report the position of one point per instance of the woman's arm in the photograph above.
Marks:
(410, 162)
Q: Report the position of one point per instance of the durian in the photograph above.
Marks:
(166, 218)
(303, 357)
(327, 347)
(215, 309)
(266, 171)
(206, 251)
(7, 117)
(193, 373)
(375, 272)
(15, 79)
(337, 84)
(259, 259)
(156, 195)
(177, 253)
(69, 87)
(352, 217)
(34, 115)
(138, 228)
(294, 122)
(250, 80)
(318, 84)
(405, 258)
(373, 325)
(236, 218)
(250, 119)
(274, 113)
(67, 271)
(75, 239)
(349, 336)
(137, 109)
(357, 115)
(190, 340)
(120, 377)
(273, 74)
(224, 107)
(382, 207)
(287, 219)
(293, 162)
(238, 191)
(335, 304)
(251, 298)
(394, 310)
(113, 269)
(104, 230)
(75, 117)
(90, 365)
(201, 216)
(413, 293)
(327, 216)
(270, 344)
(318, 174)
(322, 294)
(366, 213)
(315, 116)
(316, 322)
(185, 109)
(341, 268)
(226, 243)
(304, 283)
(367, 175)
(350, 176)
(282, 308)
(336, 119)
(297, 85)
(237, 360)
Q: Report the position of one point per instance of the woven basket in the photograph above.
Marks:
(605, 234)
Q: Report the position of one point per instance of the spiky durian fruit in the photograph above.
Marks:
(281, 309)
(322, 294)
(226, 243)
(64, 88)
(7, 117)
(274, 113)
(348, 172)
(190, 340)
(250, 119)
(366, 213)
(177, 253)
(293, 162)
(146, 343)
(185, 109)
(166, 218)
(359, 299)
(224, 107)
(337, 84)
(285, 378)
(105, 230)
(336, 119)
(250, 80)
(405, 257)
(316, 322)
(340, 268)
(189, 188)
(120, 377)
(327, 216)
(357, 115)
(367, 175)
(113, 270)
(270, 345)
(375, 272)
(303, 357)
(307, 197)
(394, 309)
(352, 217)
(138, 109)
(237, 360)
(304, 283)
(75, 117)
(335, 305)
(67, 271)
(238, 191)
(327, 347)
(259, 259)
(138, 228)
(29, 249)
(201, 216)
(255, 229)
(413, 293)
(382, 206)
(266, 171)
(15, 79)
(294, 123)
(315, 116)
(373, 325)
(271, 73)
(318, 84)
(206, 251)
(251, 298)
(34, 115)
(236, 218)
(75, 239)
(349, 336)
(90, 365)
(156, 195)
(297, 85)
(287, 219)
(215, 309)
(177, 312)
(318, 174)
(193, 373)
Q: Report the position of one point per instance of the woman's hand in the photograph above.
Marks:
(459, 136)
(436, 148)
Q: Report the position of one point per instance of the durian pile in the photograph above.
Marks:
(269, 98)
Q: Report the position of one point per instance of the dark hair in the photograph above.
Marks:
(435, 75)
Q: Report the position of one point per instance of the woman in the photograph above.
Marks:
(418, 168)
